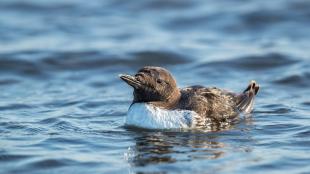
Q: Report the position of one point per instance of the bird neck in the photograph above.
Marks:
(171, 102)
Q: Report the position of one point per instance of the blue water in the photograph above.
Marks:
(62, 105)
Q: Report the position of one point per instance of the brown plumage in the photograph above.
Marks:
(156, 86)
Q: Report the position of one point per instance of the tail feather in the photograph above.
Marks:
(246, 99)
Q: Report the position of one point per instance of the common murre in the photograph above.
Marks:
(159, 104)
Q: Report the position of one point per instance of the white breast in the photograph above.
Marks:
(147, 116)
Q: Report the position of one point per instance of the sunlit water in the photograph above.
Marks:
(62, 106)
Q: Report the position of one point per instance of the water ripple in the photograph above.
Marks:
(8, 82)
(11, 157)
(19, 66)
(255, 62)
(159, 58)
(36, 7)
(99, 60)
(304, 133)
(51, 163)
(15, 107)
(49, 120)
(62, 105)
(301, 80)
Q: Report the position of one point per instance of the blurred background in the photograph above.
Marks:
(62, 105)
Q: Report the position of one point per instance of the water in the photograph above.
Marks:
(62, 106)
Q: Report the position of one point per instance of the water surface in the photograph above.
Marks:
(62, 106)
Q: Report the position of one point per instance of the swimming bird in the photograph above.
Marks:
(158, 103)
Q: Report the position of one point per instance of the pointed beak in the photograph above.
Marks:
(130, 80)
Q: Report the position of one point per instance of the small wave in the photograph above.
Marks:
(278, 111)
(10, 63)
(15, 126)
(190, 22)
(15, 107)
(263, 18)
(113, 113)
(51, 163)
(61, 103)
(307, 103)
(255, 62)
(303, 134)
(49, 120)
(97, 84)
(12, 125)
(8, 82)
(159, 58)
(283, 127)
(300, 80)
(13, 157)
(24, 6)
(76, 60)
(42, 62)
(66, 126)
(94, 104)
(54, 165)
(98, 60)
(147, 6)
(92, 60)
(169, 5)
(63, 140)
(275, 109)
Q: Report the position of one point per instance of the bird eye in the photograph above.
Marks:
(159, 81)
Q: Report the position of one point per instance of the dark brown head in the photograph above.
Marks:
(153, 84)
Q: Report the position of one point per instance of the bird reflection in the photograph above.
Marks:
(168, 147)
(154, 147)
